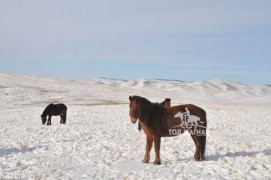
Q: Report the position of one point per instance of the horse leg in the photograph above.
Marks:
(61, 119)
(200, 143)
(198, 146)
(202, 147)
(149, 142)
(157, 142)
(49, 120)
(64, 118)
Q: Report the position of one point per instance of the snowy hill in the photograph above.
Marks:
(100, 142)
(21, 88)
(217, 90)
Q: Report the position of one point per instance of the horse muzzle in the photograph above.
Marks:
(133, 120)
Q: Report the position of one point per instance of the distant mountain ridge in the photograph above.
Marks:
(213, 90)
(216, 90)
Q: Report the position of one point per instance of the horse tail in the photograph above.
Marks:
(204, 138)
(65, 117)
(65, 113)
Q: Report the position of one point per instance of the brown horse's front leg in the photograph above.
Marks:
(149, 142)
(157, 142)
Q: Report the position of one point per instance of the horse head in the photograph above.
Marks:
(43, 119)
(133, 109)
(138, 106)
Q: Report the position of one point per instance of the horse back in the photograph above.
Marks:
(184, 108)
(56, 109)
(176, 116)
(61, 107)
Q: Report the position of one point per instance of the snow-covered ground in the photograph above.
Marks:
(99, 141)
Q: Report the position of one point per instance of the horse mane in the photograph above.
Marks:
(141, 99)
(44, 112)
(146, 101)
(151, 113)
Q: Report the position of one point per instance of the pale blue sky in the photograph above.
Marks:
(128, 39)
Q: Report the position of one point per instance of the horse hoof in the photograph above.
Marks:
(157, 163)
(145, 161)
(198, 159)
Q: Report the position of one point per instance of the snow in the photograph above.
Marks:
(99, 141)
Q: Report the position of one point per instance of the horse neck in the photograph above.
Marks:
(45, 112)
(147, 112)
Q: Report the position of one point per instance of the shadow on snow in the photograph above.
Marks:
(14, 150)
(216, 157)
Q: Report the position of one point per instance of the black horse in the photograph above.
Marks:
(54, 110)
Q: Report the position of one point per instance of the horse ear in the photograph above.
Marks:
(130, 98)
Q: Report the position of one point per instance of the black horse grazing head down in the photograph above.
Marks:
(54, 110)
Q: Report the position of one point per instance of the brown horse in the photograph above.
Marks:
(158, 122)
(166, 103)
